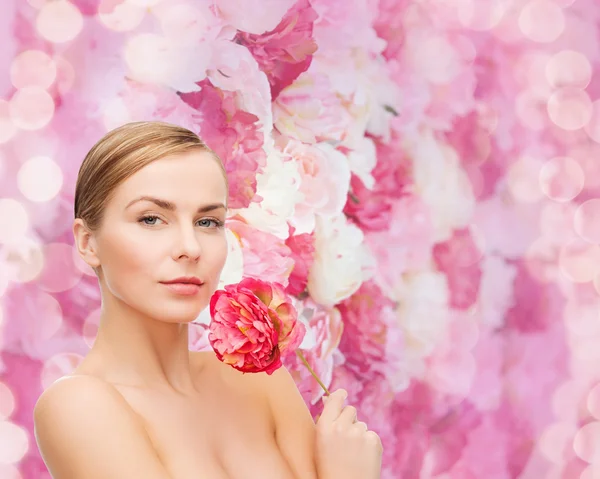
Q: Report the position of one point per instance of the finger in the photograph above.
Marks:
(347, 416)
(360, 426)
(333, 406)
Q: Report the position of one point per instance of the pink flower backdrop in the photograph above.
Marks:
(422, 176)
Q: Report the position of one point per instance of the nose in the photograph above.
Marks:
(187, 245)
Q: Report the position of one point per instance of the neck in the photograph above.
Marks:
(138, 350)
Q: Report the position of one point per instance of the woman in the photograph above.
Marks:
(150, 207)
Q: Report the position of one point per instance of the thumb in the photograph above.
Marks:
(334, 404)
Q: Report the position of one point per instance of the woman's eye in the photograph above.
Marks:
(208, 222)
(149, 220)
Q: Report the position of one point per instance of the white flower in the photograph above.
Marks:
(362, 161)
(342, 261)
(278, 186)
(324, 184)
(443, 185)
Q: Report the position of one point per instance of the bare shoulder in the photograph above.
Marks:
(85, 429)
(294, 426)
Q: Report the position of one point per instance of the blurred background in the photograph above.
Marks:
(422, 176)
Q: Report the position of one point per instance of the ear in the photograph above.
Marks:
(85, 242)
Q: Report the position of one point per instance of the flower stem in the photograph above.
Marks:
(310, 370)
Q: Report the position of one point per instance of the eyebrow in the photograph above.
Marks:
(169, 206)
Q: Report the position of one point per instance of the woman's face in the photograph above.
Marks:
(163, 223)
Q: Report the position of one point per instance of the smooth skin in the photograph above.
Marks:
(141, 405)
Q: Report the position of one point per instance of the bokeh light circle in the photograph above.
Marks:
(65, 75)
(59, 21)
(40, 179)
(569, 68)
(588, 156)
(32, 68)
(10, 471)
(31, 108)
(570, 108)
(592, 471)
(579, 260)
(522, 180)
(587, 220)
(7, 402)
(542, 21)
(481, 15)
(554, 439)
(593, 401)
(14, 221)
(90, 327)
(561, 179)
(593, 126)
(7, 126)
(26, 258)
(60, 273)
(58, 366)
(541, 259)
(43, 329)
(14, 442)
(586, 443)
(530, 108)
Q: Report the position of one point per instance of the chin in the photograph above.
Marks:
(181, 314)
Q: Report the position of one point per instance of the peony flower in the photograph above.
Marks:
(342, 262)
(233, 68)
(278, 187)
(324, 330)
(286, 51)
(370, 204)
(254, 16)
(303, 249)
(310, 111)
(265, 256)
(253, 325)
(325, 180)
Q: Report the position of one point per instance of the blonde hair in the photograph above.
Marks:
(121, 153)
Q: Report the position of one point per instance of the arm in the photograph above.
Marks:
(294, 427)
(86, 430)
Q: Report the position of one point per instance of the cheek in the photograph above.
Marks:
(217, 254)
(123, 259)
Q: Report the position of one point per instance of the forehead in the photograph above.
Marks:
(192, 176)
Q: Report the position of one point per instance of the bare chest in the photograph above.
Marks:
(221, 434)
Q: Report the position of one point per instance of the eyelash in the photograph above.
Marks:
(218, 223)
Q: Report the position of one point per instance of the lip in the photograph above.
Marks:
(185, 280)
(185, 286)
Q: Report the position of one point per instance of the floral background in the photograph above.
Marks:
(423, 176)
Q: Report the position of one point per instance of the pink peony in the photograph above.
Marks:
(253, 325)
(325, 330)
(265, 256)
(325, 179)
(234, 135)
(406, 243)
(303, 251)
(309, 110)
(368, 320)
(285, 52)
(371, 208)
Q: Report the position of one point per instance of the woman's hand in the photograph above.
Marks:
(345, 448)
